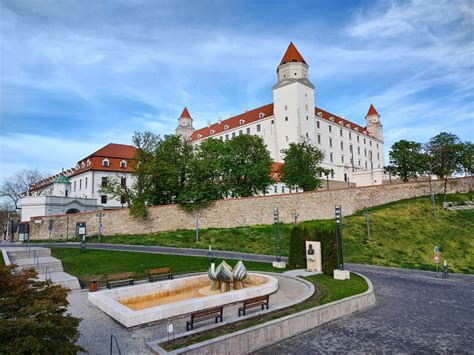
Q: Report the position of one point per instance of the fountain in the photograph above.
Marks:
(150, 302)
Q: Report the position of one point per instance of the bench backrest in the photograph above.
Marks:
(163, 270)
(206, 312)
(256, 299)
(121, 276)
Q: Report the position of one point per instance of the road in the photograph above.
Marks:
(414, 313)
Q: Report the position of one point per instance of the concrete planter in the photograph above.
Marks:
(260, 336)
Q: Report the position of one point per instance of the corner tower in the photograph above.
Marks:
(373, 124)
(293, 102)
(185, 125)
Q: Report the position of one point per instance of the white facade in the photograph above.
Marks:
(349, 148)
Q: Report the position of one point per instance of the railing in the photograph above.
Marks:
(113, 337)
(47, 274)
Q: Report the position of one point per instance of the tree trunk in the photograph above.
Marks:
(445, 186)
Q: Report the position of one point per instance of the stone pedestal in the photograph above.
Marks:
(341, 274)
(279, 264)
(313, 256)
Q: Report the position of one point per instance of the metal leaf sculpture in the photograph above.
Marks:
(216, 285)
(224, 276)
(240, 273)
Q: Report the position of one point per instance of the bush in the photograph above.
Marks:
(297, 251)
(328, 250)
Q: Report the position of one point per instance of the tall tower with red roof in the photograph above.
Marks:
(374, 126)
(293, 100)
(185, 125)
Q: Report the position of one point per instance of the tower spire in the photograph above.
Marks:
(372, 111)
(292, 55)
(185, 113)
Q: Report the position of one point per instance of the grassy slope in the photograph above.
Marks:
(403, 234)
(96, 263)
(326, 290)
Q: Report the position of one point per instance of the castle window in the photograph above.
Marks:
(358, 151)
(258, 128)
(286, 107)
(221, 138)
(378, 156)
(80, 184)
(273, 121)
(377, 145)
(307, 135)
(330, 128)
(364, 141)
(226, 137)
(287, 138)
(242, 122)
(319, 139)
(365, 165)
(307, 118)
(105, 162)
(233, 134)
(350, 148)
(331, 119)
(286, 118)
(283, 189)
(240, 132)
(123, 164)
(248, 130)
(317, 124)
(359, 162)
(358, 139)
(212, 131)
(226, 127)
(350, 135)
(295, 73)
(320, 114)
(342, 145)
(365, 152)
(104, 181)
(85, 184)
(330, 157)
(370, 143)
(103, 199)
(261, 115)
(276, 189)
(342, 159)
(340, 132)
(74, 185)
(330, 142)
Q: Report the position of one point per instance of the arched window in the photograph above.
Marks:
(123, 164)
(105, 162)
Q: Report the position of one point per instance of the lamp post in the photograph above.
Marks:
(100, 215)
(295, 216)
(340, 255)
(276, 233)
(196, 216)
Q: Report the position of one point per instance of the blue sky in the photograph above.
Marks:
(76, 75)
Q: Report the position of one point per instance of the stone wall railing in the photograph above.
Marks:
(244, 211)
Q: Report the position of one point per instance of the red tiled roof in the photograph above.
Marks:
(372, 111)
(275, 171)
(185, 114)
(233, 122)
(339, 120)
(114, 150)
(292, 55)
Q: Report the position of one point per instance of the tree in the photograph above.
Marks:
(17, 185)
(169, 169)
(407, 158)
(444, 151)
(301, 166)
(297, 251)
(116, 187)
(466, 158)
(326, 172)
(32, 315)
(206, 179)
(247, 166)
(390, 170)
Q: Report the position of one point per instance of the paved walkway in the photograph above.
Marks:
(164, 250)
(415, 313)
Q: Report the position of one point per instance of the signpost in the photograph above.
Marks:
(81, 232)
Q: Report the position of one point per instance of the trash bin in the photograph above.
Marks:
(93, 285)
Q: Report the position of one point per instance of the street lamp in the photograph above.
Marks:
(295, 216)
(276, 233)
(340, 255)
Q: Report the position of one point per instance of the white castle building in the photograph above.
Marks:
(353, 152)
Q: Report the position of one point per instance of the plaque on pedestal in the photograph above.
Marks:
(313, 256)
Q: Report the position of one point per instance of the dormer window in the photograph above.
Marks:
(88, 162)
(348, 125)
(320, 114)
(226, 127)
(331, 118)
(199, 135)
(242, 122)
(123, 164)
(341, 123)
(105, 162)
(261, 115)
(212, 131)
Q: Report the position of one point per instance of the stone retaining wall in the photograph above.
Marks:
(257, 337)
(244, 211)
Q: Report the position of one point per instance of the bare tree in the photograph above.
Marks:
(18, 185)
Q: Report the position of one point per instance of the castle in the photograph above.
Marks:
(353, 152)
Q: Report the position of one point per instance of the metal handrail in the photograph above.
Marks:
(116, 343)
(47, 274)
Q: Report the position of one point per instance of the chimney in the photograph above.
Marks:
(209, 124)
(220, 120)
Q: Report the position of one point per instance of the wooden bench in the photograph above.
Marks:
(159, 273)
(119, 279)
(203, 315)
(254, 302)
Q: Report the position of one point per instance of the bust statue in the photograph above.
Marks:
(310, 252)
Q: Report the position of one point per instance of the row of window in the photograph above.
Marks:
(104, 182)
(80, 184)
(103, 199)
(106, 163)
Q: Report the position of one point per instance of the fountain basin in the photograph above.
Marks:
(151, 302)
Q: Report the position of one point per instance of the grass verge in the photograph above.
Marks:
(327, 290)
(97, 263)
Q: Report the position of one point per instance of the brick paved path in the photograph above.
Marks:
(415, 313)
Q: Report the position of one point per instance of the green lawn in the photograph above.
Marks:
(326, 290)
(403, 234)
(97, 263)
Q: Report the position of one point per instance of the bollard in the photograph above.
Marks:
(93, 285)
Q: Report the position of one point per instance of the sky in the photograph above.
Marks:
(77, 75)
